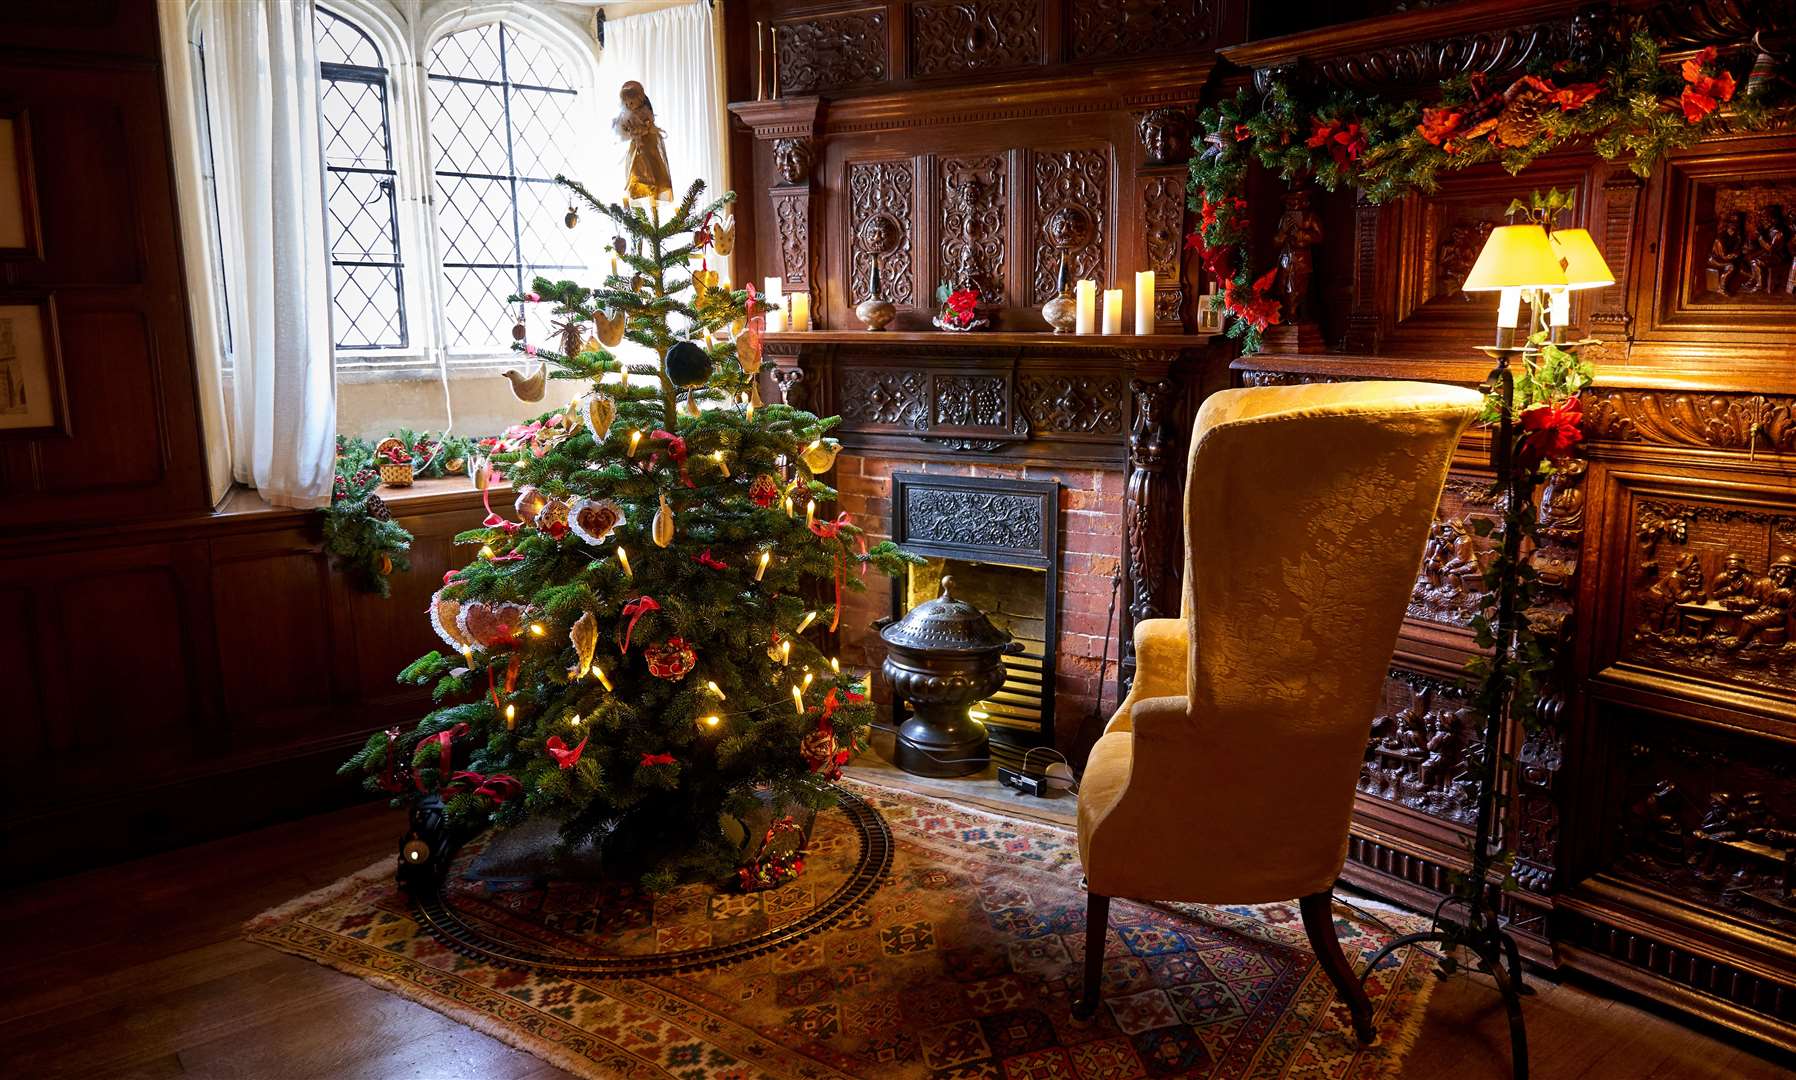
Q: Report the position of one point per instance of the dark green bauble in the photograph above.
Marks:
(688, 364)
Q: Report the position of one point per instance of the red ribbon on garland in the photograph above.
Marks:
(633, 611)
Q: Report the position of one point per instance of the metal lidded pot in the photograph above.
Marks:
(943, 656)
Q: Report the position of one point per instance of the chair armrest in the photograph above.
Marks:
(1162, 655)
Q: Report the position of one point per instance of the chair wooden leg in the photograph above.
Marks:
(1097, 924)
(1319, 923)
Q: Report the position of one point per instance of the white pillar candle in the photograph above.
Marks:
(1085, 307)
(1144, 301)
(801, 310)
(773, 289)
(1112, 311)
(1509, 309)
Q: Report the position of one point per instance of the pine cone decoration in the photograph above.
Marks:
(377, 509)
(1523, 118)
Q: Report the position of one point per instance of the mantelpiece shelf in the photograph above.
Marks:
(1018, 338)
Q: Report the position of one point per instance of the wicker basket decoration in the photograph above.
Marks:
(395, 461)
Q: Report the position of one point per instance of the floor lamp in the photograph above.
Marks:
(1522, 261)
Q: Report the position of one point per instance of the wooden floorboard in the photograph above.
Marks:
(138, 971)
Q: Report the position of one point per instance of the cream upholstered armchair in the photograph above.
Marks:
(1227, 774)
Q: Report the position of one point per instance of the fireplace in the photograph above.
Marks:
(1000, 540)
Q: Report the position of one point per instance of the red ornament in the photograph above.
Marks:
(651, 760)
(671, 660)
(705, 558)
(765, 491)
(564, 757)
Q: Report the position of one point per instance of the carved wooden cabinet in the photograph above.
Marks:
(1652, 816)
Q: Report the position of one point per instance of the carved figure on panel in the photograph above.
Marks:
(792, 159)
(1733, 584)
(1726, 253)
(973, 225)
(1071, 192)
(1299, 230)
(1768, 250)
(1769, 620)
(1653, 821)
(1712, 612)
(1459, 252)
(1422, 750)
(880, 195)
(1165, 134)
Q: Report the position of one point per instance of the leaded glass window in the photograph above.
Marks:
(367, 276)
(502, 107)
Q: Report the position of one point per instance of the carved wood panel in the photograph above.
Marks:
(1101, 29)
(1421, 754)
(952, 36)
(1708, 591)
(1071, 195)
(1456, 555)
(831, 52)
(792, 222)
(974, 196)
(880, 229)
(1163, 218)
(1075, 404)
(885, 397)
(963, 410)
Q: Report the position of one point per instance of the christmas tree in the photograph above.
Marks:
(632, 651)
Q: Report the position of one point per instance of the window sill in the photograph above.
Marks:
(424, 496)
(356, 371)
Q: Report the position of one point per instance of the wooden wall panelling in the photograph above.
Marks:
(111, 261)
(279, 661)
(1704, 292)
(955, 37)
(833, 50)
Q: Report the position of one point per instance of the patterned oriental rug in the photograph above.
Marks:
(961, 964)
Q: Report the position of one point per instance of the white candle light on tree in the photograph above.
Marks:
(1085, 307)
(1112, 311)
(1144, 301)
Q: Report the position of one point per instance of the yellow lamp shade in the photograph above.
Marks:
(1515, 257)
(1584, 265)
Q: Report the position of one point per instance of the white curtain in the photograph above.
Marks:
(673, 54)
(262, 72)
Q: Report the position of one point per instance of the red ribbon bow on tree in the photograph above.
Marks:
(494, 521)
(445, 751)
(676, 449)
(497, 788)
(705, 558)
(633, 611)
(832, 530)
(558, 749)
(831, 703)
(657, 759)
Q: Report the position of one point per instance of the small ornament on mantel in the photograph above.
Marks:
(876, 311)
(1061, 312)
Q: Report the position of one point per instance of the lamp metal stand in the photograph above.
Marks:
(1478, 926)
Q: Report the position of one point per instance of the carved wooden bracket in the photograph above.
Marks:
(789, 125)
(1150, 516)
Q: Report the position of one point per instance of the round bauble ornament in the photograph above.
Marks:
(662, 530)
(819, 749)
(530, 500)
(671, 660)
(573, 217)
(598, 410)
(519, 331)
(765, 490)
(593, 519)
(688, 364)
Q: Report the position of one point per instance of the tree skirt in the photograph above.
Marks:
(960, 965)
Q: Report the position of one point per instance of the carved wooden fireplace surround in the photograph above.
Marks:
(1653, 814)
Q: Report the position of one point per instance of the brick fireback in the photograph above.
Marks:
(1091, 542)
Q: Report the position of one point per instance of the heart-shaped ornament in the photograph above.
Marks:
(593, 519)
(599, 411)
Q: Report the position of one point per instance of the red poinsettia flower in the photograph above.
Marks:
(1347, 144)
(1550, 431)
(1705, 92)
(1251, 304)
(1324, 130)
(1207, 214)
(1194, 241)
(963, 299)
(1694, 67)
(1216, 261)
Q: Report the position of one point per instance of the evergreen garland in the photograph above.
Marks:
(1628, 105)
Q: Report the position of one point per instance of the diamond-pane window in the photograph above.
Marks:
(368, 277)
(502, 109)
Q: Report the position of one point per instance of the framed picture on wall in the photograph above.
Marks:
(32, 402)
(19, 236)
